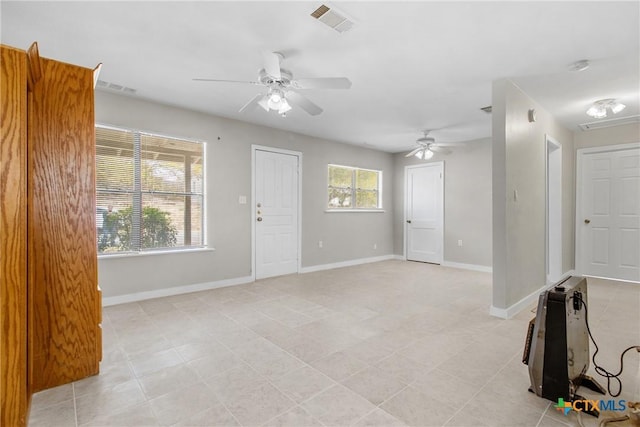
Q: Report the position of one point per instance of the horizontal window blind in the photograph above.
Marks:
(150, 191)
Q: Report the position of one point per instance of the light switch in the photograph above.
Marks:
(242, 200)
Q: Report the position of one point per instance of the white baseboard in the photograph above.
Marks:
(509, 312)
(349, 263)
(141, 296)
(474, 267)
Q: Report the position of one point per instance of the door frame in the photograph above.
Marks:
(553, 206)
(406, 200)
(298, 154)
(580, 153)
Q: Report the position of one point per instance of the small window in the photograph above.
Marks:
(150, 191)
(354, 188)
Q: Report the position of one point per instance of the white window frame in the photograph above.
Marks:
(354, 169)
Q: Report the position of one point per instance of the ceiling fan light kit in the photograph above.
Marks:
(281, 93)
(599, 108)
(424, 154)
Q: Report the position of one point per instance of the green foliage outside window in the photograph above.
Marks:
(157, 230)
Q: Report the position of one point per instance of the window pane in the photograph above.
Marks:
(162, 221)
(367, 199)
(168, 163)
(197, 233)
(114, 159)
(113, 221)
(367, 189)
(339, 197)
(366, 180)
(340, 182)
(340, 177)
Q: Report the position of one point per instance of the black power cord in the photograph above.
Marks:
(599, 369)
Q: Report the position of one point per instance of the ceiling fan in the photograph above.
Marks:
(281, 85)
(427, 146)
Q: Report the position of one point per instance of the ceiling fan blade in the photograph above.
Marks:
(413, 153)
(264, 103)
(251, 104)
(448, 144)
(228, 81)
(272, 64)
(439, 149)
(303, 102)
(322, 83)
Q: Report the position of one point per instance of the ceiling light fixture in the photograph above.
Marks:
(275, 100)
(599, 108)
(424, 154)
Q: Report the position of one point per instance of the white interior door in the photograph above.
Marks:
(276, 213)
(609, 215)
(424, 212)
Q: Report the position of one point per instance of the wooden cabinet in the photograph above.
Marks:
(58, 294)
(13, 237)
(64, 300)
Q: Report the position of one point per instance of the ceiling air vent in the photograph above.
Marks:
(332, 18)
(115, 87)
(487, 109)
(611, 122)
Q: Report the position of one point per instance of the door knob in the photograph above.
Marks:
(259, 219)
(587, 221)
(408, 221)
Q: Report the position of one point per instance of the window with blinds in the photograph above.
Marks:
(354, 188)
(150, 191)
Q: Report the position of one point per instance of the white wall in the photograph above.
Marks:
(519, 230)
(467, 202)
(346, 236)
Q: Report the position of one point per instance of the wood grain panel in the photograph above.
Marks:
(63, 294)
(14, 395)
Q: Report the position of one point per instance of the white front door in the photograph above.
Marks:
(608, 219)
(276, 213)
(424, 212)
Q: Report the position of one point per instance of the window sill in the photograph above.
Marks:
(354, 210)
(116, 255)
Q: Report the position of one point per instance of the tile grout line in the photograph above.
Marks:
(247, 364)
(482, 388)
(75, 406)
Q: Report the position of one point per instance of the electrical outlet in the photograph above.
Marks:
(375, 246)
(460, 242)
(320, 244)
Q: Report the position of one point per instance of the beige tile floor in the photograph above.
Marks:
(386, 344)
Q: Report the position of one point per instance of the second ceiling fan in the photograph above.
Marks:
(281, 85)
(427, 146)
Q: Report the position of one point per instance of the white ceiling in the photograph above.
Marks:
(413, 65)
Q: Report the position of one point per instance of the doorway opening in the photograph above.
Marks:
(554, 210)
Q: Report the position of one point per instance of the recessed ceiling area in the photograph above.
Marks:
(413, 65)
